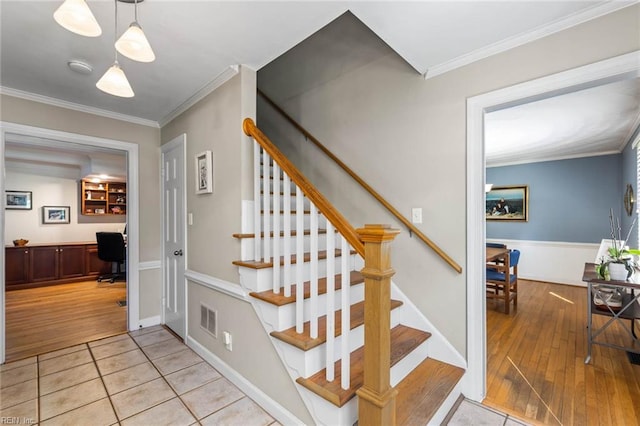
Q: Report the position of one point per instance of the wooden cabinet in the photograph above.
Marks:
(103, 198)
(16, 265)
(41, 265)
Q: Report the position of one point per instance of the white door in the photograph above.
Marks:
(174, 235)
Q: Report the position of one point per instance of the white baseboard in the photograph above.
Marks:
(276, 410)
(146, 322)
(551, 261)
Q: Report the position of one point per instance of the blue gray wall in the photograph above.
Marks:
(569, 200)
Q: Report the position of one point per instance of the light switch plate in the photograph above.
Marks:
(416, 215)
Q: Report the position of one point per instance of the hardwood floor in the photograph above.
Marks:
(44, 319)
(535, 362)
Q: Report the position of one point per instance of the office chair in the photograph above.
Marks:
(111, 248)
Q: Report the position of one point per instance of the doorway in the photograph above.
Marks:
(10, 130)
(618, 68)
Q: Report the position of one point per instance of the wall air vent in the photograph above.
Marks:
(209, 320)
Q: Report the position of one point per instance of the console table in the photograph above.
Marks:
(630, 310)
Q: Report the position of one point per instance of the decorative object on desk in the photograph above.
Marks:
(204, 172)
(56, 215)
(17, 200)
(507, 203)
(629, 200)
(617, 263)
(20, 242)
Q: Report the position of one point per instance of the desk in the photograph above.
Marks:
(494, 254)
(630, 309)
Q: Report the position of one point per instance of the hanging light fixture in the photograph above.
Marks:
(75, 16)
(134, 44)
(114, 81)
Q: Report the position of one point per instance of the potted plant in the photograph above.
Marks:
(619, 263)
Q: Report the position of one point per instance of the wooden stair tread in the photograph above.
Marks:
(293, 234)
(322, 254)
(304, 340)
(403, 340)
(279, 299)
(423, 391)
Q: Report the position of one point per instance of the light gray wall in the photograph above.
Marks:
(215, 123)
(21, 111)
(50, 191)
(406, 137)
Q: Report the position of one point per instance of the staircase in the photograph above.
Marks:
(307, 278)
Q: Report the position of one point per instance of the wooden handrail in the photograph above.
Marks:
(366, 186)
(311, 192)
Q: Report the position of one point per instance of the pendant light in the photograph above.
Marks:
(134, 44)
(75, 16)
(114, 82)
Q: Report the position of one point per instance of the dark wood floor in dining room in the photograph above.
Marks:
(44, 319)
(535, 362)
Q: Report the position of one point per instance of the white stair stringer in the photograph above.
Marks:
(440, 348)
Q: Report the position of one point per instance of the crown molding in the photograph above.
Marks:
(519, 40)
(218, 81)
(76, 107)
(491, 165)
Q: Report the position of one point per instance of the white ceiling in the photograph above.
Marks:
(198, 42)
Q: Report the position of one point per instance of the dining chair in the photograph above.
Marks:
(497, 286)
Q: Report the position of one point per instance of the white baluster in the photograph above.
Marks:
(286, 185)
(313, 290)
(299, 260)
(266, 207)
(330, 301)
(257, 184)
(345, 319)
(276, 228)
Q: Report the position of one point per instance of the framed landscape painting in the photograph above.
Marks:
(508, 203)
(17, 200)
(55, 214)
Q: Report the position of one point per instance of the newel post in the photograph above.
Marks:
(376, 398)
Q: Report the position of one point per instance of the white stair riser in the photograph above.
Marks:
(262, 279)
(307, 363)
(322, 243)
(292, 203)
(306, 221)
(283, 317)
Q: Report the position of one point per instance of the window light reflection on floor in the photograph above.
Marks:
(561, 298)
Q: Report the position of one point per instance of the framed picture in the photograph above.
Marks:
(55, 214)
(17, 200)
(508, 203)
(204, 172)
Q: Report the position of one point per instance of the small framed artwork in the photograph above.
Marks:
(17, 200)
(204, 172)
(508, 203)
(55, 214)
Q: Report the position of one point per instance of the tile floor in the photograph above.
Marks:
(472, 413)
(141, 378)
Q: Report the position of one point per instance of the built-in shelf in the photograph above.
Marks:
(107, 198)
